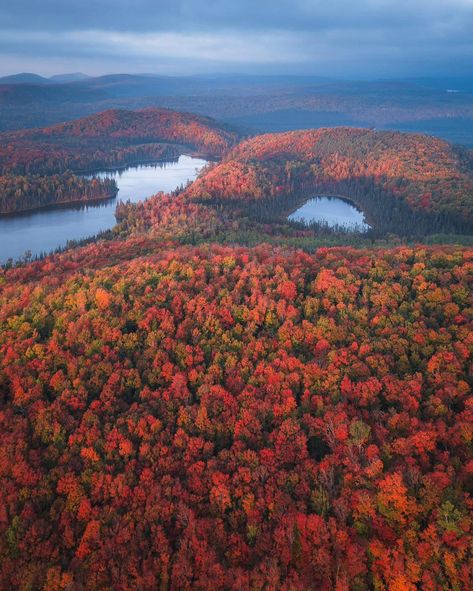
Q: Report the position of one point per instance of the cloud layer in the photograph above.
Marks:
(341, 37)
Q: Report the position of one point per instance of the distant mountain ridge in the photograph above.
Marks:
(24, 78)
(72, 77)
(31, 78)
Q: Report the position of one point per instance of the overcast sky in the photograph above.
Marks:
(344, 38)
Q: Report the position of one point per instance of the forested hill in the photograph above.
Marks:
(110, 139)
(32, 147)
(424, 173)
(153, 123)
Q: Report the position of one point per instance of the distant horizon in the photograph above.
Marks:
(236, 74)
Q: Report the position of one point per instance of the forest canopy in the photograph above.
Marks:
(232, 418)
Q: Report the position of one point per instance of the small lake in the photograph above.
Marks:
(47, 229)
(333, 211)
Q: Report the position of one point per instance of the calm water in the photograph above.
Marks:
(45, 230)
(332, 210)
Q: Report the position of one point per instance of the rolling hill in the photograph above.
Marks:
(225, 418)
(376, 169)
(114, 138)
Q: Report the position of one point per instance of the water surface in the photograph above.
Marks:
(332, 211)
(45, 230)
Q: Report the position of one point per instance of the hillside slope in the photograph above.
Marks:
(33, 148)
(180, 414)
(372, 167)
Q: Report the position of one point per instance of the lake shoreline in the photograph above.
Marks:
(151, 162)
(357, 225)
(329, 196)
(92, 174)
(300, 197)
(43, 230)
(59, 205)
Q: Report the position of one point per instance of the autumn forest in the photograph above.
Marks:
(210, 397)
(39, 167)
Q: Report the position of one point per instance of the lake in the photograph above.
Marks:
(47, 229)
(333, 211)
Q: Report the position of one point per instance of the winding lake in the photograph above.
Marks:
(47, 229)
(333, 211)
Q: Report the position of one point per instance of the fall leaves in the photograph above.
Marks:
(232, 418)
(36, 165)
(404, 174)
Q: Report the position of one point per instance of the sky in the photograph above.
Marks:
(342, 38)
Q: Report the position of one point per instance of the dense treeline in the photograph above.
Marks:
(396, 177)
(88, 156)
(386, 214)
(21, 193)
(230, 418)
(176, 218)
(107, 140)
(193, 221)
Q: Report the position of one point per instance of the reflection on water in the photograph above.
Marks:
(47, 229)
(332, 211)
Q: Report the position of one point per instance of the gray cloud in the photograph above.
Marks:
(340, 37)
